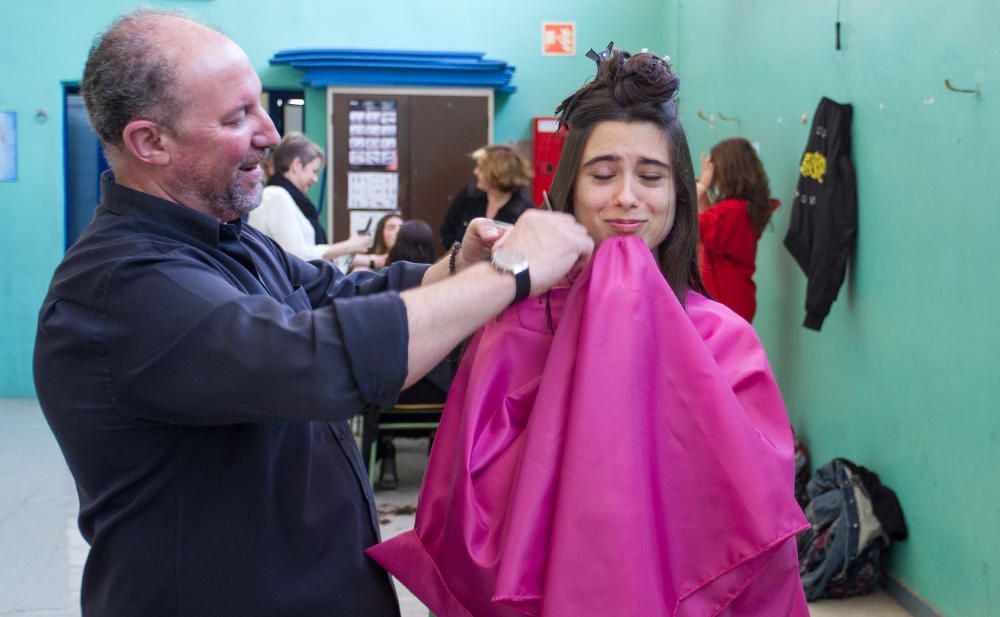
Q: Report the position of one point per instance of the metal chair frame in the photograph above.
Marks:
(389, 426)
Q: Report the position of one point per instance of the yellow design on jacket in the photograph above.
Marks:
(813, 166)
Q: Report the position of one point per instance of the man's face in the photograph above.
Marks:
(222, 134)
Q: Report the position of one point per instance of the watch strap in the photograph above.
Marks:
(522, 282)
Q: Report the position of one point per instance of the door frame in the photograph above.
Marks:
(488, 93)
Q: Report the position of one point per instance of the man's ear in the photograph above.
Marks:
(147, 142)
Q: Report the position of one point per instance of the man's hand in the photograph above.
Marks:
(477, 244)
(445, 309)
(358, 243)
(554, 243)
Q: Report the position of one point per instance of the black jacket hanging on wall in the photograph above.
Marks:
(825, 210)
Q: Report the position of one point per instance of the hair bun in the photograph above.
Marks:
(634, 87)
(642, 77)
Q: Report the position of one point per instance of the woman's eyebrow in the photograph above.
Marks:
(614, 158)
(656, 162)
(603, 158)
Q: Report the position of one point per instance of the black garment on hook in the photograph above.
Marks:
(825, 209)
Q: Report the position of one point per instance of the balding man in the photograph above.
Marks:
(198, 378)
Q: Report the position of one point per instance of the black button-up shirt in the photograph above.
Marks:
(198, 380)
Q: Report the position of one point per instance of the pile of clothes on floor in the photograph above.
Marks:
(854, 519)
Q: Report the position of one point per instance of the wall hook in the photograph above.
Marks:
(709, 119)
(947, 84)
(723, 116)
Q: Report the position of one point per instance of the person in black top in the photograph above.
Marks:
(498, 193)
(414, 243)
(198, 378)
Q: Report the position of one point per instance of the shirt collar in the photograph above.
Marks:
(130, 202)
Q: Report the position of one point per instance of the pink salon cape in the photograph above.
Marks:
(638, 462)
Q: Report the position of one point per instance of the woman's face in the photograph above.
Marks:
(624, 186)
(390, 231)
(480, 175)
(304, 176)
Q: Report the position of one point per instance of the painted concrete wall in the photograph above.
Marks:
(901, 378)
(45, 44)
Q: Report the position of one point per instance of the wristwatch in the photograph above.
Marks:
(511, 262)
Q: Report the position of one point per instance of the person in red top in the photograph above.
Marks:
(734, 206)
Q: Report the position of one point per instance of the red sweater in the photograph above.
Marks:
(727, 255)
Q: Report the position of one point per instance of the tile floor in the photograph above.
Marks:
(43, 553)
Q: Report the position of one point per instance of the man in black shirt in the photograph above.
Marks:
(198, 379)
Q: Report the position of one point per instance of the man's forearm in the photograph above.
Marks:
(437, 272)
(440, 316)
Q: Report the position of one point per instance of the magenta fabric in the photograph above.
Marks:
(638, 462)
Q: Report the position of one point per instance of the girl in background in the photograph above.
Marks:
(734, 206)
(385, 238)
(413, 243)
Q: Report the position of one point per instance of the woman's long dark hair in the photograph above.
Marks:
(639, 88)
(415, 243)
(739, 174)
(379, 247)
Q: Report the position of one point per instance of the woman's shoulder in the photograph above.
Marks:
(275, 195)
(727, 207)
(726, 213)
(516, 206)
(275, 205)
(469, 194)
(717, 323)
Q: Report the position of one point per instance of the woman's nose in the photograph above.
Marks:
(626, 195)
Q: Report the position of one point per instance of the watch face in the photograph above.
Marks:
(509, 261)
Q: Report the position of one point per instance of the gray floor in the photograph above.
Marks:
(43, 553)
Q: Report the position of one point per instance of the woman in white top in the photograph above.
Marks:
(285, 212)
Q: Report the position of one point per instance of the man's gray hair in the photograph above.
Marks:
(127, 77)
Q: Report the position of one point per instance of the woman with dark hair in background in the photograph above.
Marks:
(386, 231)
(498, 192)
(619, 446)
(734, 206)
(413, 243)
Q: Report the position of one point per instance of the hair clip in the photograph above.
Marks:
(604, 55)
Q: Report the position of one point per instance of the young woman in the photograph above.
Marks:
(386, 231)
(618, 447)
(734, 205)
(414, 242)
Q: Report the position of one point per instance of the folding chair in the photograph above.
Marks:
(396, 419)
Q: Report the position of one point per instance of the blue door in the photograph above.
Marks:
(84, 164)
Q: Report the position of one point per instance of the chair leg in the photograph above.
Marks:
(388, 466)
(371, 462)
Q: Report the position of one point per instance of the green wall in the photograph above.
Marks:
(45, 43)
(898, 378)
(901, 377)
